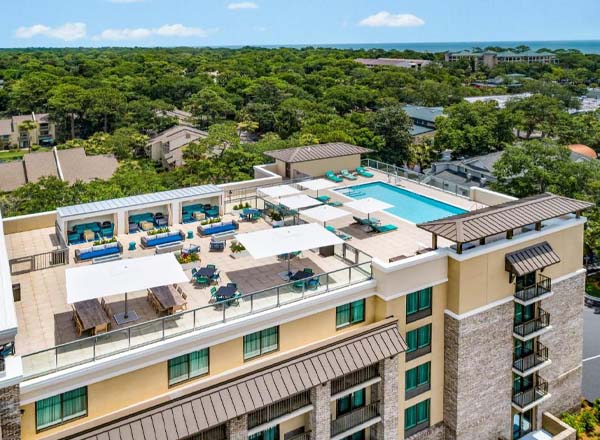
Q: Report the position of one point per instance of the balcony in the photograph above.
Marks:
(527, 362)
(354, 419)
(278, 409)
(536, 292)
(353, 379)
(531, 396)
(533, 327)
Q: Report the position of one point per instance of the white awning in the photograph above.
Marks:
(122, 276)
(278, 191)
(318, 184)
(280, 241)
(325, 213)
(368, 205)
(299, 202)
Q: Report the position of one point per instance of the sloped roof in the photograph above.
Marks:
(197, 412)
(584, 150)
(5, 127)
(39, 165)
(316, 152)
(531, 258)
(12, 175)
(497, 219)
(423, 113)
(76, 165)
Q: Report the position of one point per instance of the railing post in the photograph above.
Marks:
(162, 321)
(94, 350)
(278, 300)
(223, 305)
(129, 338)
(252, 303)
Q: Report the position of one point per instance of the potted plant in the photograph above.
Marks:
(187, 260)
(276, 219)
(237, 249)
(237, 209)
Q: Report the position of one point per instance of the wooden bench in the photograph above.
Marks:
(169, 247)
(105, 258)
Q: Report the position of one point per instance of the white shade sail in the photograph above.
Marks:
(122, 276)
(368, 205)
(278, 191)
(325, 213)
(317, 184)
(299, 202)
(280, 241)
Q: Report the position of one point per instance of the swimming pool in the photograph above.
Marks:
(407, 205)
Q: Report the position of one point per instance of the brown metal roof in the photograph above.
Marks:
(207, 408)
(316, 152)
(76, 165)
(12, 175)
(531, 258)
(497, 219)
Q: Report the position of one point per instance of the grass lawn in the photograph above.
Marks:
(592, 287)
(6, 155)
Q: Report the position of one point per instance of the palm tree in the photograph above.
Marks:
(28, 127)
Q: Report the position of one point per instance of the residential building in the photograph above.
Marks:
(491, 59)
(167, 146)
(11, 134)
(394, 62)
(501, 100)
(423, 118)
(182, 117)
(70, 165)
(510, 81)
(476, 334)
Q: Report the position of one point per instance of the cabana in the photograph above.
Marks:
(114, 216)
(120, 277)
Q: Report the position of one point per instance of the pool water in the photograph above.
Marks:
(406, 204)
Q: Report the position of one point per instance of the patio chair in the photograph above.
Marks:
(234, 285)
(202, 281)
(313, 283)
(211, 266)
(216, 276)
(347, 175)
(361, 171)
(308, 270)
(384, 228)
(299, 285)
(213, 293)
(194, 270)
(335, 204)
(330, 175)
(236, 299)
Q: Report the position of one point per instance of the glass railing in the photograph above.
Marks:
(417, 177)
(100, 346)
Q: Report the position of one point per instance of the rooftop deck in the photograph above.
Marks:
(45, 318)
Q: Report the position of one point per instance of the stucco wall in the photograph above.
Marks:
(30, 222)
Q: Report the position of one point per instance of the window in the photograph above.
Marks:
(418, 304)
(350, 402)
(350, 313)
(419, 342)
(527, 280)
(61, 408)
(416, 418)
(524, 313)
(188, 366)
(267, 434)
(417, 380)
(522, 424)
(262, 342)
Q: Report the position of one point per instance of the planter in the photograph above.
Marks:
(238, 255)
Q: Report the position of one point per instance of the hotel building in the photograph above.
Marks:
(491, 59)
(462, 321)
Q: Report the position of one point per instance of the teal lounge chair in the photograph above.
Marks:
(323, 199)
(384, 228)
(362, 221)
(333, 177)
(335, 204)
(361, 171)
(340, 234)
(348, 175)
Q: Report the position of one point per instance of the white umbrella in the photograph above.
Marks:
(368, 205)
(299, 202)
(317, 184)
(122, 276)
(325, 213)
(278, 191)
(284, 241)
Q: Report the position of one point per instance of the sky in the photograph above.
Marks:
(64, 23)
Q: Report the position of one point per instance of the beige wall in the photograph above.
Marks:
(481, 280)
(30, 222)
(292, 424)
(488, 197)
(319, 167)
(133, 388)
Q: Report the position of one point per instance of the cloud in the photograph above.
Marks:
(66, 32)
(385, 19)
(242, 5)
(167, 30)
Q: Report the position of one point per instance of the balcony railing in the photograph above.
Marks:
(541, 287)
(278, 409)
(354, 418)
(82, 351)
(531, 360)
(301, 436)
(353, 379)
(534, 325)
(531, 395)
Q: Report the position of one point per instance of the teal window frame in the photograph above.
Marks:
(350, 402)
(64, 408)
(418, 376)
(350, 314)
(260, 343)
(417, 414)
(188, 366)
(268, 434)
(419, 301)
(418, 338)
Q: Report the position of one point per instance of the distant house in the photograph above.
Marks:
(182, 117)
(394, 62)
(167, 146)
(511, 81)
(491, 59)
(423, 119)
(68, 165)
(501, 100)
(11, 135)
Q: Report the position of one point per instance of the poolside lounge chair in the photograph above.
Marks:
(361, 171)
(346, 174)
(323, 199)
(333, 177)
(335, 204)
(384, 228)
(340, 234)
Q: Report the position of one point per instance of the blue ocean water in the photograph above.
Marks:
(406, 204)
(585, 46)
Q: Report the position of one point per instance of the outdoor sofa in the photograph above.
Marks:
(100, 250)
(162, 238)
(215, 228)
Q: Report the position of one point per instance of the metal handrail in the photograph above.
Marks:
(533, 325)
(528, 396)
(527, 361)
(93, 342)
(355, 418)
(542, 286)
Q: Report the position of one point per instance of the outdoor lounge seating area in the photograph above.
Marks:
(90, 231)
(216, 228)
(198, 212)
(101, 250)
(162, 238)
(147, 221)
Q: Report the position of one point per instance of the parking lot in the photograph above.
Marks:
(591, 354)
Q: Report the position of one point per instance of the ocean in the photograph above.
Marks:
(585, 46)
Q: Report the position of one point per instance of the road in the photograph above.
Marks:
(591, 354)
